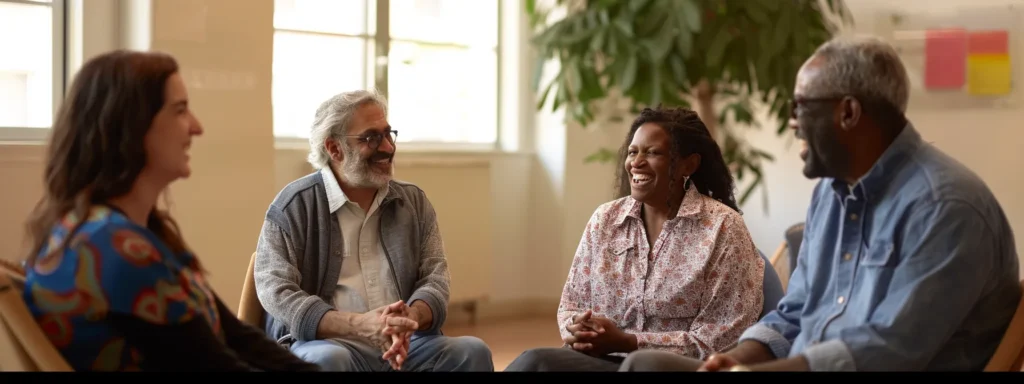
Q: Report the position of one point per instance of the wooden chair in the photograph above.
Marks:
(780, 263)
(1010, 354)
(250, 311)
(23, 346)
(12, 270)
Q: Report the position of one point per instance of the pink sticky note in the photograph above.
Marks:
(945, 58)
(989, 42)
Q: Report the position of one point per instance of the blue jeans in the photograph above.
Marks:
(430, 353)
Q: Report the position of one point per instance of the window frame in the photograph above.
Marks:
(60, 19)
(375, 74)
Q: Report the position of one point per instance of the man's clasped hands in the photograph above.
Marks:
(390, 328)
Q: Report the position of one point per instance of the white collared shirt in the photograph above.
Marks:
(366, 281)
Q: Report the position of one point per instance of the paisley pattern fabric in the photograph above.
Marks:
(112, 265)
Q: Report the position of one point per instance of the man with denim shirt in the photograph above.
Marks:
(908, 262)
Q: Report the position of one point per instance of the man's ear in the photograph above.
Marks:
(849, 113)
(334, 150)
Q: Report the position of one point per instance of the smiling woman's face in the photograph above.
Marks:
(649, 164)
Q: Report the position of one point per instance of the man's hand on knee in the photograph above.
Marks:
(718, 362)
(746, 353)
(389, 329)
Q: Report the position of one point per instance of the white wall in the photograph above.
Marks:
(541, 194)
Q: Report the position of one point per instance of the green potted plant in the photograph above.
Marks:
(721, 55)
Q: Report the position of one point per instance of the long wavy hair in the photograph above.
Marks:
(96, 150)
(689, 135)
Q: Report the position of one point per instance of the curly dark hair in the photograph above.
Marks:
(96, 150)
(689, 135)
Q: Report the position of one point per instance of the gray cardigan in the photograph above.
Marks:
(298, 256)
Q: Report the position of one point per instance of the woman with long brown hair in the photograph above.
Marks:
(109, 277)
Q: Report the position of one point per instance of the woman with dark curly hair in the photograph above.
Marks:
(669, 265)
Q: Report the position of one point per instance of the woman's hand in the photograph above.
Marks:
(599, 336)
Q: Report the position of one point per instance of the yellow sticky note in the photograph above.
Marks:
(988, 74)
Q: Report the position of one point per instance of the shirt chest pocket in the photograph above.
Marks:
(613, 279)
(880, 254)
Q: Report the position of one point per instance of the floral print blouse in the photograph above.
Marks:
(693, 292)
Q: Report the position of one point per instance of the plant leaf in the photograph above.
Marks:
(573, 78)
(782, 30)
(597, 43)
(658, 47)
(544, 95)
(754, 10)
(628, 74)
(656, 85)
(678, 69)
(624, 26)
(691, 12)
(602, 155)
(718, 46)
(638, 5)
(684, 43)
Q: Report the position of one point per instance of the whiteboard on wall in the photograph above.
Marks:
(909, 31)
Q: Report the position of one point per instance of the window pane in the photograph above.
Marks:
(26, 67)
(443, 94)
(331, 16)
(465, 22)
(309, 69)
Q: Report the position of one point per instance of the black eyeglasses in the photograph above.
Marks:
(795, 103)
(374, 139)
(869, 104)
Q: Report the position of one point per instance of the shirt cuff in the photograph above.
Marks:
(830, 356)
(775, 341)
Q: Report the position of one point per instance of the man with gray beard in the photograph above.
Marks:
(350, 266)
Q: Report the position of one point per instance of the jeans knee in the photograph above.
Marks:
(472, 353)
(329, 356)
(472, 346)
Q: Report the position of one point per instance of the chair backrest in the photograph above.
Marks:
(772, 287)
(1009, 355)
(23, 345)
(250, 311)
(780, 263)
(12, 270)
(794, 237)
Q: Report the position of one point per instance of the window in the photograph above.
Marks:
(436, 60)
(32, 70)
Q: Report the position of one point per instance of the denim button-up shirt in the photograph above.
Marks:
(913, 268)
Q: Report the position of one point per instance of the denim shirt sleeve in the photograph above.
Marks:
(945, 262)
(779, 328)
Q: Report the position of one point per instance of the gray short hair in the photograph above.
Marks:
(862, 66)
(332, 121)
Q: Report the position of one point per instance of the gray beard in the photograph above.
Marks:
(357, 172)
